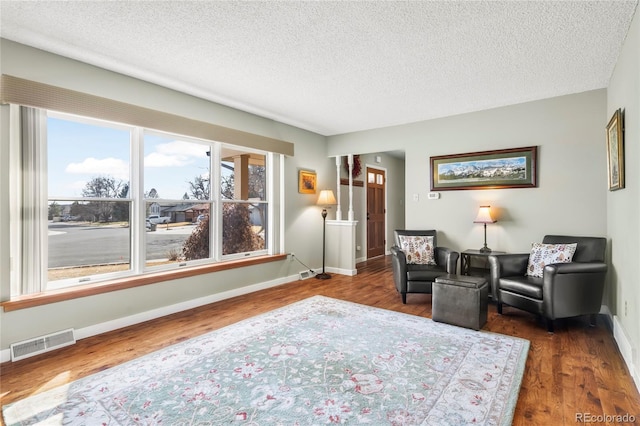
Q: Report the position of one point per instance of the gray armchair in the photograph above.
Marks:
(565, 289)
(417, 278)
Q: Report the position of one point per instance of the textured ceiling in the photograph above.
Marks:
(337, 67)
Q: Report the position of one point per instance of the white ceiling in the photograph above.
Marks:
(338, 67)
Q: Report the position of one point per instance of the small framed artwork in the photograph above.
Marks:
(615, 151)
(307, 182)
(505, 168)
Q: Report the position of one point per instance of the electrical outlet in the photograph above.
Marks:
(292, 254)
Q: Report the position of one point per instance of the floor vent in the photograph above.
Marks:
(42, 344)
(305, 274)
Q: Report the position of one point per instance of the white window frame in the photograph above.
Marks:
(268, 191)
(137, 203)
(140, 215)
(134, 226)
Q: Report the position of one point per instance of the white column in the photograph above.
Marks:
(351, 215)
(338, 208)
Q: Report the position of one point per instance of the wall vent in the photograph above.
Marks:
(42, 344)
(305, 274)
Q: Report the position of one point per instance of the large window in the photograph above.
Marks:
(89, 204)
(122, 200)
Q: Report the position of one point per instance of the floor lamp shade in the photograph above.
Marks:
(484, 217)
(325, 199)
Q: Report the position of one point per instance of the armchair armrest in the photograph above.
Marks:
(572, 289)
(399, 256)
(575, 268)
(447, 258)
(399, 266)
(508, 265)
(505, 265)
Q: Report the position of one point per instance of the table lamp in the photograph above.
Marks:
(484, 217)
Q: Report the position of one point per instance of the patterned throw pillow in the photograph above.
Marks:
(546, 254)
(418, 249)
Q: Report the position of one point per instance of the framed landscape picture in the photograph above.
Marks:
(506, 168)
(615, 151)
(306, 182)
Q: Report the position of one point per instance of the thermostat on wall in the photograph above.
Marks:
(433, 195)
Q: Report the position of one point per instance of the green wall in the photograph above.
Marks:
(623, 206)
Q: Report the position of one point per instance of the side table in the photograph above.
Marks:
(466, 268)
(465, 262)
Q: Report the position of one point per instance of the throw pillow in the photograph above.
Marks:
(418, 249)
(546, 254)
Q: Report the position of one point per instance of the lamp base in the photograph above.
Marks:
(485, 249)
(323, 276)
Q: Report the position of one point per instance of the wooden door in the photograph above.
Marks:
(376, 211)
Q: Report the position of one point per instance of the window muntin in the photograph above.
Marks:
(101, 191)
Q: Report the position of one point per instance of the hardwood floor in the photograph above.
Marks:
(578, 369)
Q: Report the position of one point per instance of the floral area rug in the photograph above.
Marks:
(318, 361)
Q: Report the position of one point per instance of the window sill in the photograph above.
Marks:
(75, 292)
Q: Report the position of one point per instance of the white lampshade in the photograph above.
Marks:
(484, 215)
(326, 198)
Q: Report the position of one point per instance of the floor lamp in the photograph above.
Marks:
(484, 217)
(325, 199)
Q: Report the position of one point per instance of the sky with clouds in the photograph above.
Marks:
(79, 152)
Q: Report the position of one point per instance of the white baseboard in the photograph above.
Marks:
(364, 259)
(626, 349)
(342, 271)
(94, 330)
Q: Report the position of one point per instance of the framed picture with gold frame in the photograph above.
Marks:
(307, 182)
(615, 151)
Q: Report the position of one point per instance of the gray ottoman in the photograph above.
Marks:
(460, 300)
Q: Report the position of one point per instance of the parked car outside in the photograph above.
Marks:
(155, 219)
